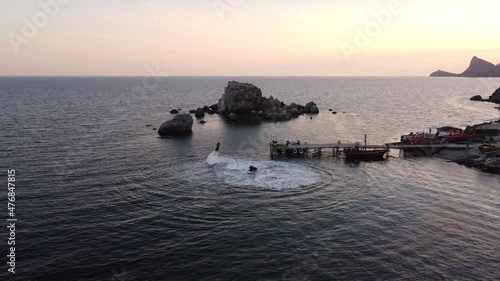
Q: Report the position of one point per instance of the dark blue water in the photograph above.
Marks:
(100, 197)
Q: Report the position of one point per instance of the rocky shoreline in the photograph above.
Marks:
(495, 97)
(488, 162)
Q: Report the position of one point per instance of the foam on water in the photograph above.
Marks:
(271, 175)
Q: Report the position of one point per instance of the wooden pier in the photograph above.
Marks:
(305, 148)
(380, 146)
(337, 145)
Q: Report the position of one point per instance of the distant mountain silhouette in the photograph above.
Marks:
(477, 68)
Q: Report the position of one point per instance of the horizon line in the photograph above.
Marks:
(212, 76)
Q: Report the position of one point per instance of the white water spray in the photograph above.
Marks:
(271, 174)
(218, 157)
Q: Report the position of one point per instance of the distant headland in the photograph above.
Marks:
(477, 68)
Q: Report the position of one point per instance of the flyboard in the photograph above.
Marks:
(219, 157)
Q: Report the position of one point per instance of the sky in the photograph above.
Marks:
(245, 37)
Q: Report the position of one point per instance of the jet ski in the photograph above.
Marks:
(252, 170)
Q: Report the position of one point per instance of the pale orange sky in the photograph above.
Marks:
(243, 37)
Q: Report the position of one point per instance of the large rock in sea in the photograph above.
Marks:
(243, 101)
(180, 124)
(495, 97)
(239, 98)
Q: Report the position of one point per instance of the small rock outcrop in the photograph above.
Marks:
(200, 113)
(174, 111)
(476, 98)
(214, 107)
(180, 124)
(312, 108)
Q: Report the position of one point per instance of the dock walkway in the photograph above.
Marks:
(276, 149)
(384, 146)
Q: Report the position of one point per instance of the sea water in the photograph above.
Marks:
(101, 197)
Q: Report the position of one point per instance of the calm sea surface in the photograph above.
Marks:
(100, 197)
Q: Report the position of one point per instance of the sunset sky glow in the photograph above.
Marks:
(239, 38)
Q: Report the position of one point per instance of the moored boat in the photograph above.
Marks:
(362, 153)
(357, 153)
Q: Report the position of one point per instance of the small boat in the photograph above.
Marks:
(362, 153)
(357, 153)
